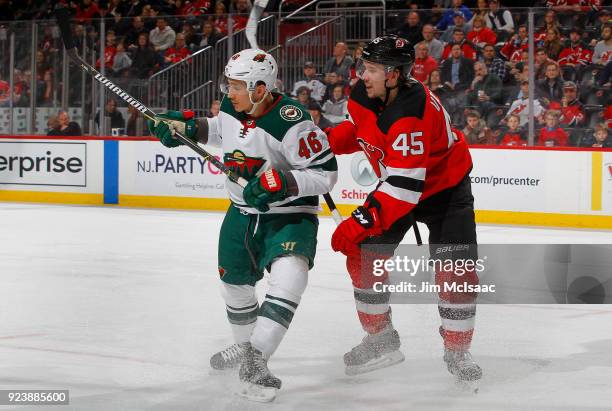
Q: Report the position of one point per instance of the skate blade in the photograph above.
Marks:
(467, 385)
(254, 392)
(384, 361)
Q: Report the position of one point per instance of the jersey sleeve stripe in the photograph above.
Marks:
(406, 183)
(323, 156)
(400, 193)
(329, 165)
(416, 173)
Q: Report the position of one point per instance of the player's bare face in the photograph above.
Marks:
(238, 94)
(374, 77)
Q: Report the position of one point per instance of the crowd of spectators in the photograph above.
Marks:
(473, 56)
(476, 61)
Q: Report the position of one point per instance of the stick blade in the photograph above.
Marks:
(62, 15)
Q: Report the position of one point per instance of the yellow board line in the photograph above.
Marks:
(600, 222)
(51, 197)
(596, 180)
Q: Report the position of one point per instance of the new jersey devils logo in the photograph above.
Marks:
(374, 154)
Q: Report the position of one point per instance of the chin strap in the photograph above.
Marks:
(256, 104)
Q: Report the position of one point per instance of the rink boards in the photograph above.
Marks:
(546, 187)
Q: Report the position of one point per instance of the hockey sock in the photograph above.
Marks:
(372, 307)
(241, 307)
(288, 279)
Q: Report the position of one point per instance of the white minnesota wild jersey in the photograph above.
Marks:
(284, 138)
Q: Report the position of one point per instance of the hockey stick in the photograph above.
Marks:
(62, 15)
(63, 20)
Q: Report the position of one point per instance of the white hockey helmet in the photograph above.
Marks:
(251, 66)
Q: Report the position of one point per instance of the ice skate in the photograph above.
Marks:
(257, 382)
(375, 351)
(464, 368)
(231, 357)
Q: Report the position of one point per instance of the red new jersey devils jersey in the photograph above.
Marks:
(410, 143)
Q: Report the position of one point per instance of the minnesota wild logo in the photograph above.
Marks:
(242, 164)
(260, 58)
(290, 113)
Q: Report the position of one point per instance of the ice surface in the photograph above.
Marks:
(122, 307)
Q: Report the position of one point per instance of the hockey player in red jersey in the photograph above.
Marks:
(423, 167)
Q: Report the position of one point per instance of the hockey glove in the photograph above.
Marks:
(167, 123)
(363, 223)
(268, 188)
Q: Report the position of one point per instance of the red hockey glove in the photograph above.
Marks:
(363, 223)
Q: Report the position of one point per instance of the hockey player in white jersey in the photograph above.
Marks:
(271, 224)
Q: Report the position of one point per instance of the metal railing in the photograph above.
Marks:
(315, 44)
(363, 20)
(199, 99)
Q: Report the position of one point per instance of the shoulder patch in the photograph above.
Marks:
(291, 113)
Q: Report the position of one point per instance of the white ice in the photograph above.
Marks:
(122, 307)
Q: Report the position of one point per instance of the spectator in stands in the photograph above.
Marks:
(467, 49)
(331, 79)
(137, 28)
(144, 59)
(178, 52)
(485, 92)
(162, 37)
(192, 40)
(412, 29)
(314, 109)
(220, 18)
(434, 82)
(448, 16)
(209, 35)
(516, 44)
(423, 63)
(53, 126)
(552, 135)
(457, 75)
(436, 47)
(575, 56)
(110, 110)
(459, 23)
(352, 72)
(514, 135)
(122, 61)
(213, 110)
(241, 13)
(520, 107)
(132, 122)
(112, 13)
(500, 20)
(302, 95)
(149, 17)
(494, 64)
(87, 10)
(551, 88)
(476, 131)
(605, 15)
(44, 89)
(481, 35)
(457, 71)
(599, 139)
(5, 92)
(552, 44)
(602, 53)
(481, 10)
(572, 113)
(550, 22)
(109, 51)
(310, 80)
(67, 127)
(340, 63)
(541, 61)
(335, 108)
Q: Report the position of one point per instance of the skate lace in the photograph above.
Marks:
(232, 352)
